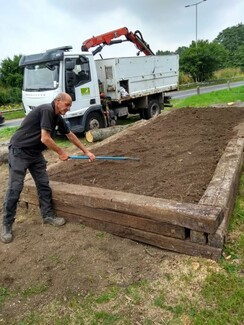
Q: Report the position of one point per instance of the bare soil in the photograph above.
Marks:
(178, 155)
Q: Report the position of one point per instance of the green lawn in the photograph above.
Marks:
(215, 97)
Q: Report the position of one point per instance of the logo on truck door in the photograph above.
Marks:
(85, 91)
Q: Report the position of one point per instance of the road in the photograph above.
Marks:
(174, 95)
(187, 93)
(11, 123)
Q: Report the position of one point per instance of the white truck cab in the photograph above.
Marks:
(58, 70)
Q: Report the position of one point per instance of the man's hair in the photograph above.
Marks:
(62, 96)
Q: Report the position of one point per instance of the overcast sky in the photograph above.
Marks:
(32, 26)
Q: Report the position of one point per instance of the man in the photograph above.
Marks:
(25, 152)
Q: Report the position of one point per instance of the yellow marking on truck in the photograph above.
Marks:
(85, 91)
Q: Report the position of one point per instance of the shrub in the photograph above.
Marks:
(10, 95)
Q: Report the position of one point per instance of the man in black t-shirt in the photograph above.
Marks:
(25, 152)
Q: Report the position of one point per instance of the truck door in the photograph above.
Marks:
(79, 84)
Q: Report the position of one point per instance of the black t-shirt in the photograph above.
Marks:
(28, 135)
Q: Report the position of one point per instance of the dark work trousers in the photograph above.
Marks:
(21, 160)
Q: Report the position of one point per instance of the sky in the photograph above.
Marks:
(33, 26)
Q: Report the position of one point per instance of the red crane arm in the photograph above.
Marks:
(107, 39)
(103, 38)
(138, 40)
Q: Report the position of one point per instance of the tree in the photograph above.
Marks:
(232, 38)
(202, 60)
(10, 73)
(159, 52)
(238, 58)
(180, 50)
(11, 79)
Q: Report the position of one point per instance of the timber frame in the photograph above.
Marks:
(193, 229)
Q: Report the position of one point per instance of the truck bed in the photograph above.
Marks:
(139, 76)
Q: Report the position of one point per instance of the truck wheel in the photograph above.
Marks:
(153, 109)
(94, 121)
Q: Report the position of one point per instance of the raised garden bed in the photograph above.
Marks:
(178, 197)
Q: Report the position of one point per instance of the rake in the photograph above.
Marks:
(105, 158)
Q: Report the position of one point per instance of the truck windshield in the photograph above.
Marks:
(38, 77)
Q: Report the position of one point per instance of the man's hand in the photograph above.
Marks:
(63, 156)
(73, 138)
(91, 156)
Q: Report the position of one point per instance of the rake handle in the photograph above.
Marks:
(105, 158)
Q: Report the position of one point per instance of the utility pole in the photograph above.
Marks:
(195, 4)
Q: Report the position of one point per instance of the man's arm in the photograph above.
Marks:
(73, 138)
(49, 142)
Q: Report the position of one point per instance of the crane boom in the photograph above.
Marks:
(108, 39)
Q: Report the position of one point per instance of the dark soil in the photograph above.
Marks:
(178, 155)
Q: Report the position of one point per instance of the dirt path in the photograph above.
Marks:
(178, 155)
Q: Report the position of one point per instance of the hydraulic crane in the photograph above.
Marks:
(108, 39)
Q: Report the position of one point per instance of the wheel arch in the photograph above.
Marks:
(77, 124)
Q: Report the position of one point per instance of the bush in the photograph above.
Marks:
(184, 78)
(10, 95)
(227, 73)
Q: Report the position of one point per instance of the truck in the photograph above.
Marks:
(102, 90)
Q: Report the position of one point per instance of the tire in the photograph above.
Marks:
(142, 114)
(153, 110)
(94, 121)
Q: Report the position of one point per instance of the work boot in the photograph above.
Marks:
(53, 220)
(7, 235)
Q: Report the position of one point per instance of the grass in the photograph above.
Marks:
(218, 300)
(34, 290)
(63, 142)
(14, 115)
(6, 133)
(12, 111)
(215, 97)
(4, 293)
(223, 294)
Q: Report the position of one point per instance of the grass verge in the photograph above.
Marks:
(14, 115)
(6, 133)
(215, 97)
